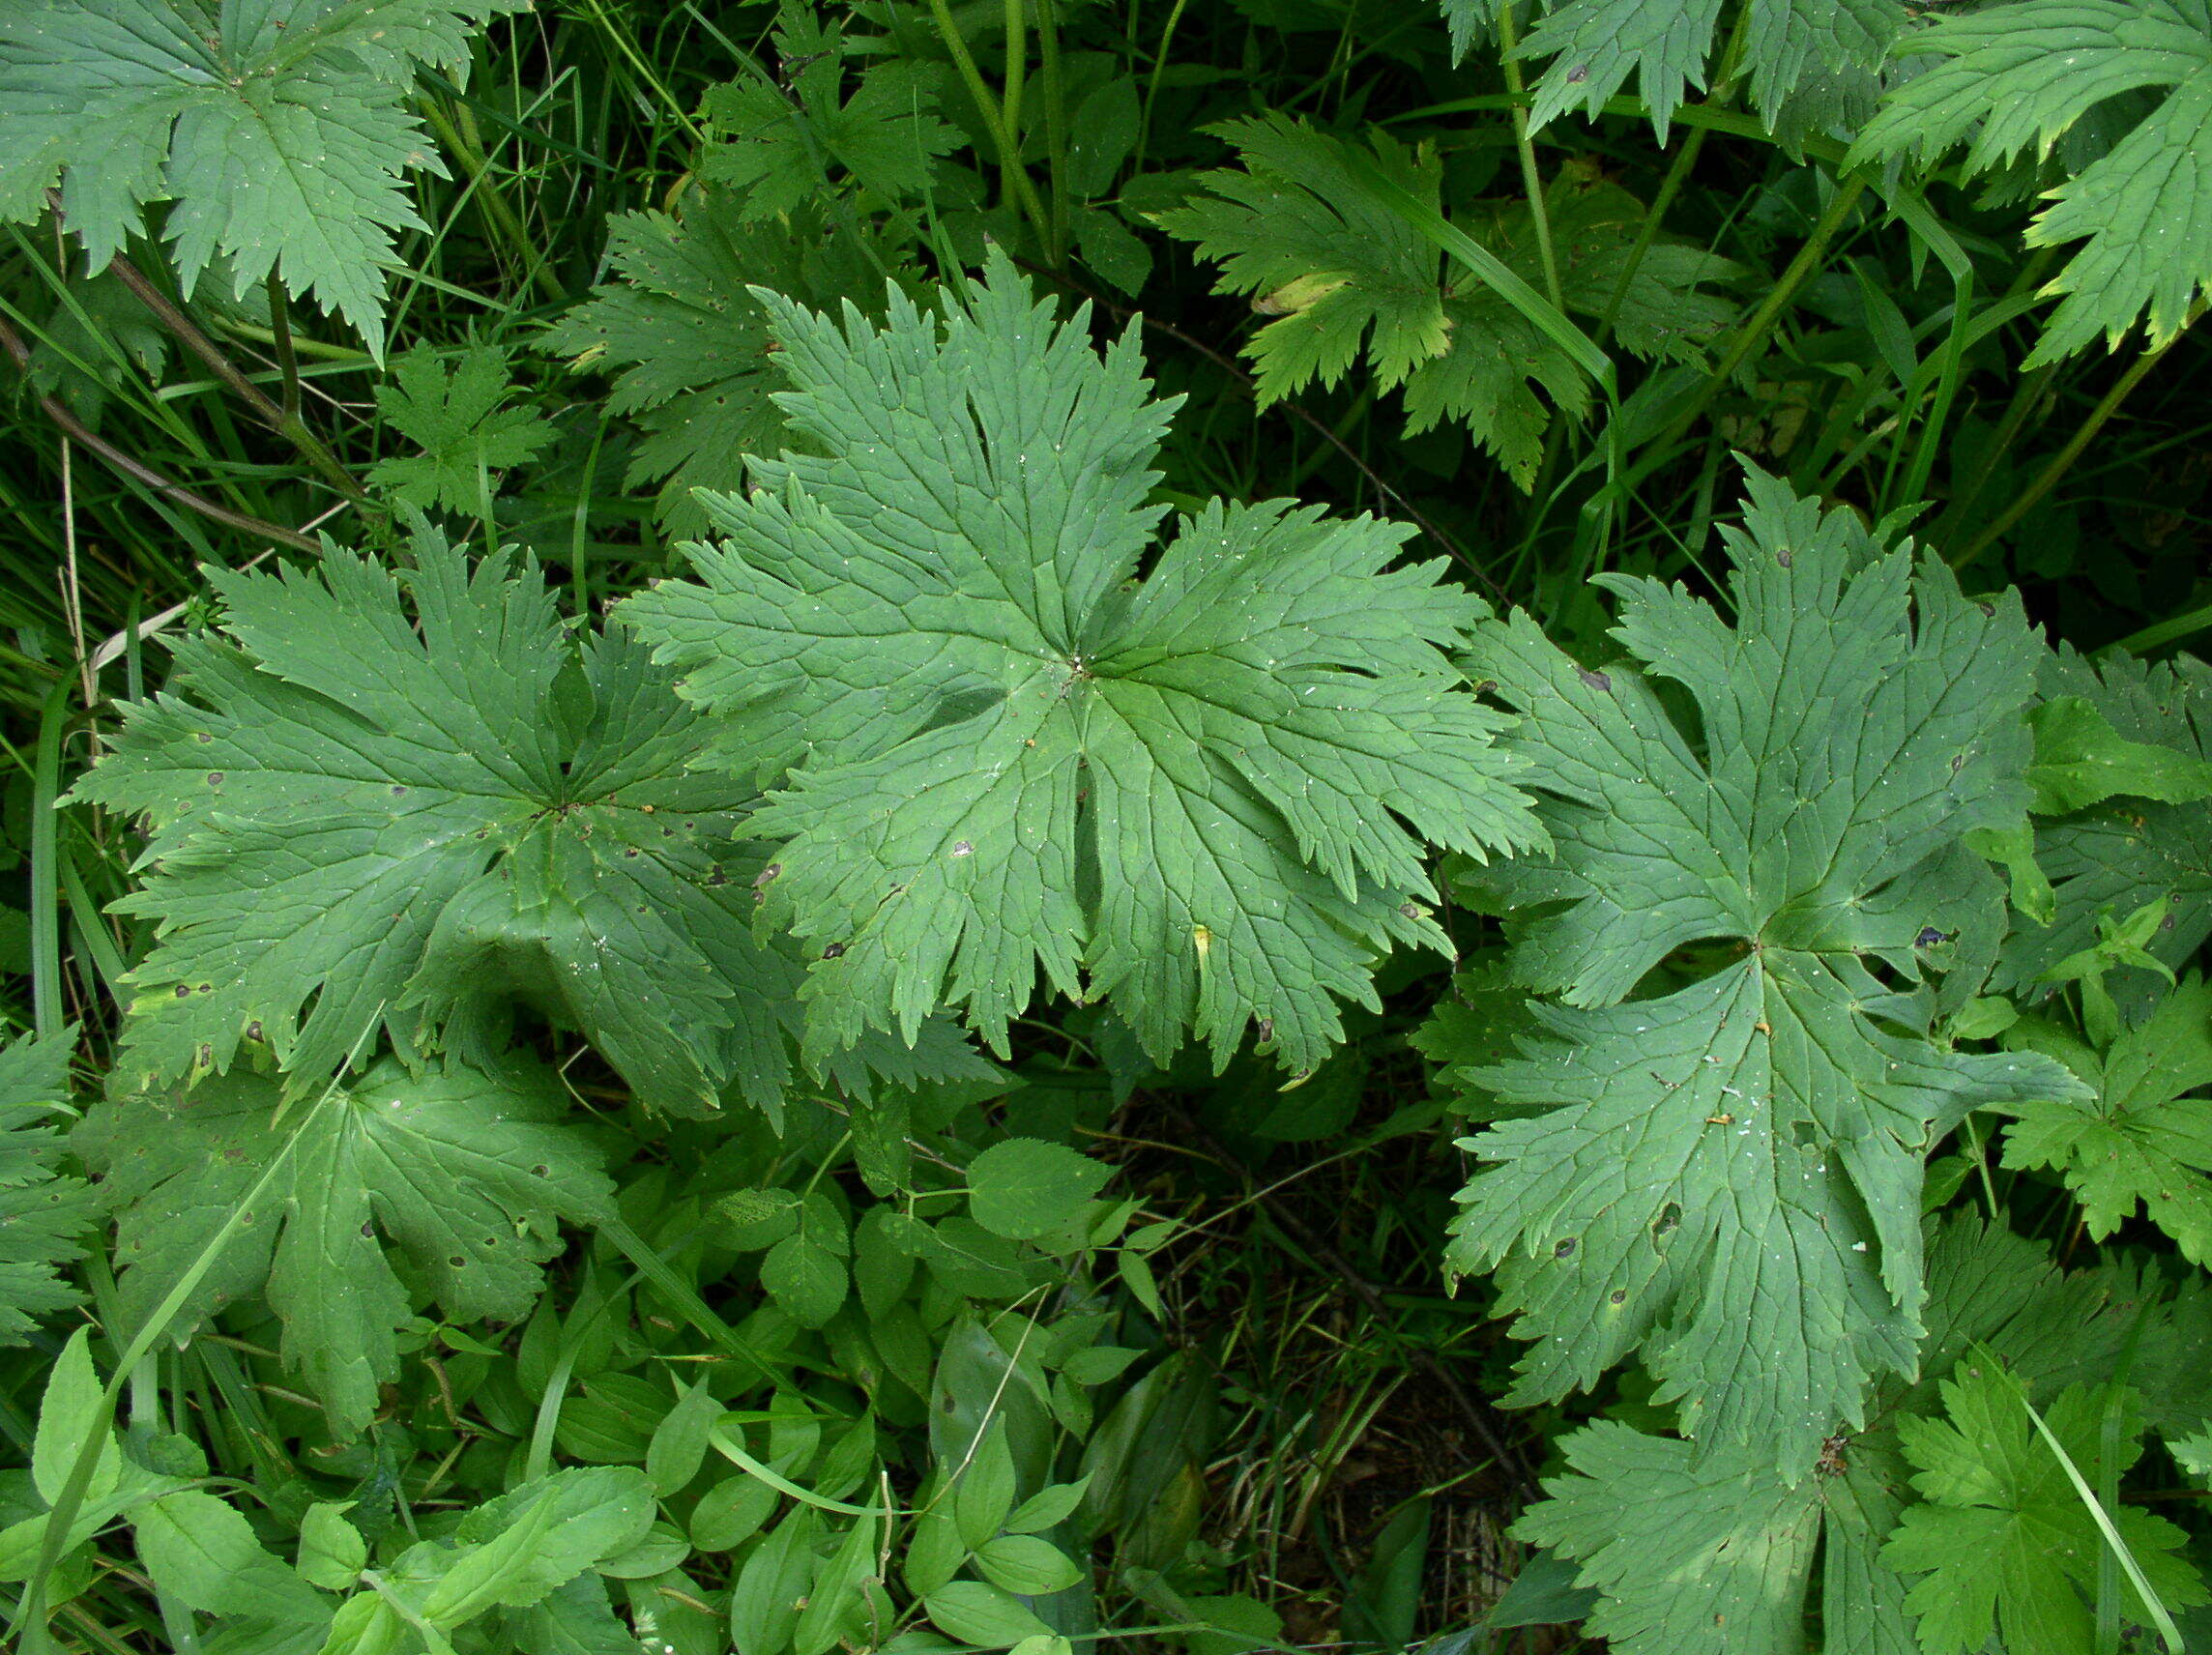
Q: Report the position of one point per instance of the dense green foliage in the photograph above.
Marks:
(1228, 826)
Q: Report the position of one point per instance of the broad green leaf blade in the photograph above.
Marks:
(1816, 66)
(2136, 1141)
(1295, 229)
(2002, 1538)
(1729, 1175)
(279, 131)
(465, 1173)
(1663, 1531)
(981, 1615)
(332, 1550)
(2081, 760)
(202, 1552)
(1597, 45)
(688, 336)
(416, 824)
(41, 1213)
(459, 418)
(528, 1542)
(1693, 1556)
(1469, 21)
(2020, 76)
(1026, 1187)
(70, 1414)
(574, 1619)
(933, 622)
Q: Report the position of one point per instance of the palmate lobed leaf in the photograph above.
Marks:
(1201, 790)
(42, 1212)
(360, 821)
(459, 421)
(2002, 1540)
(2135, 1140)
(1347, 278)
(1712, 1552)
(464, 1173)
(2011, 77)
(1812, 65)
(683, 329)
(1728, 1173)
(277, 130)
(776, 145)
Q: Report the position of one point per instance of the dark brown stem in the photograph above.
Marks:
(138, 470)
(284, 419)
(290, 426)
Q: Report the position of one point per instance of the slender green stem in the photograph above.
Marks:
(1010, 166)
(1965, 329)
(1152, 86)
(1532, 180)
(301, 344)
(2063, 460)
(31, 1610)
(644, 71)
(1654, 217)
(579, 535)
(46, 876)
(1010, 105)
(1055, 129)
(484, 189)
(2163, 632)
(280, 340)
(2025, 395)
(1754, 333)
